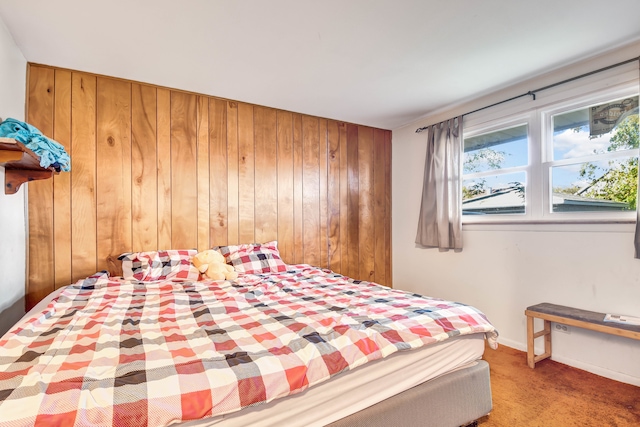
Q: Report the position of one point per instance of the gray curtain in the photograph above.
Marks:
(440, 222)
(636, 240)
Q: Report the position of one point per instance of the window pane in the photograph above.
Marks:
(496, 150)
(498, 194)
(595, 186)
(597, 129)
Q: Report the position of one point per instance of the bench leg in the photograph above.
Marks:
(531, 336)
(547, 340)
(530, 343)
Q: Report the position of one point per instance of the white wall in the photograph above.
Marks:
(13, 67)
(505, 268)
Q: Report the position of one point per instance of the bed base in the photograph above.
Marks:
(452, 400)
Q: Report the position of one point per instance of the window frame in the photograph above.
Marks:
(509, 122)
(538, 190)
(548, 163)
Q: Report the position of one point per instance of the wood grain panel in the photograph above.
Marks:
(311, 189)
(298, 242)
(344, 200)
(218, 172)
(285, 186)
(62, 182)
(333, 195)
(366, 222)
(40, 201)
(246, 174)
(387, 211)
(324, 167)
(83, 176)
(379, 200)
(266, 174)
(184, 188)
(155, 168)
(163, 154)
(203, 182)
(232, 183)
(113, 172)
(144, 171)
(353, 204)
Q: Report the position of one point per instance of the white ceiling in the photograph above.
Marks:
(382, 63)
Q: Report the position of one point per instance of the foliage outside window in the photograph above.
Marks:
(586, 170)
(595, 158)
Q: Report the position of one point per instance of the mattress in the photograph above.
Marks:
(204, 335)
(352, 391)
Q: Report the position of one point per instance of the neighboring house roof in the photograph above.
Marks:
(506, 200)
(511, 200)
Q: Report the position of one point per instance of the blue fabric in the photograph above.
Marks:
(51, 153)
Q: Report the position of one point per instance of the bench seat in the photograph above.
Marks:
(570, 316)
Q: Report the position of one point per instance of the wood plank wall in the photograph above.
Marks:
(156, 168)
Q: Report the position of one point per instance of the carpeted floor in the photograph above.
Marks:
(554, 394)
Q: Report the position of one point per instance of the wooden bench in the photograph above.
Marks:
(571, 317)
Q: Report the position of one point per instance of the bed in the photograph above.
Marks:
(281, 345)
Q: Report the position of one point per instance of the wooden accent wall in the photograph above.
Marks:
(155, 168)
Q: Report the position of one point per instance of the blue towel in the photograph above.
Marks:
(52, 153)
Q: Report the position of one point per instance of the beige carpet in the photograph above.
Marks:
(554, 394)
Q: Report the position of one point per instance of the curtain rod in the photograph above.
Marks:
(532, 93)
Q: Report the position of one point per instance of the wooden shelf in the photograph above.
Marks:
(20, 165)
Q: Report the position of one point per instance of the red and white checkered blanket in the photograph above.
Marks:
(109, 352)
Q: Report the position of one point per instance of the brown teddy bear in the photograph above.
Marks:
(212, 264)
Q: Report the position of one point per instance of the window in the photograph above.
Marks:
(594, 158)
(495, 172)
(570, 160)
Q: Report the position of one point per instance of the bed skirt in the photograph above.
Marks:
(451, 400)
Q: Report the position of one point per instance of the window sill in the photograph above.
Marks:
(592, 226)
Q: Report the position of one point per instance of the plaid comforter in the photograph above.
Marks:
(109, 352)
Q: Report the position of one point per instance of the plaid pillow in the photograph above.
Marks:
(254, 258)
(159, 265)
(133, 266)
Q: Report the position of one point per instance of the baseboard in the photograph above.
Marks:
(513, 344)
(597, 370)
